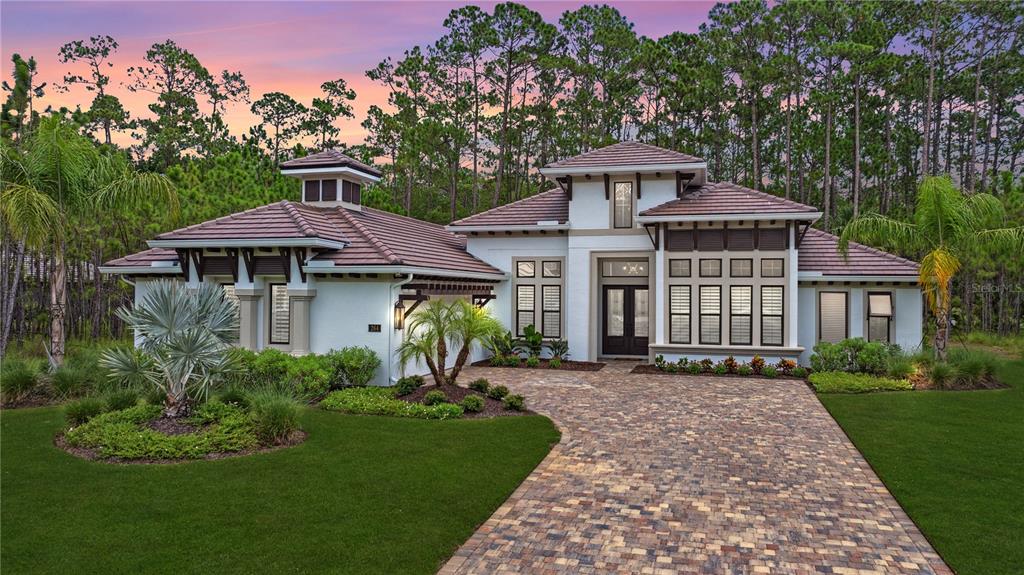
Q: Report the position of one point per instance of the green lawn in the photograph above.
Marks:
(955, 461)
(361, 495)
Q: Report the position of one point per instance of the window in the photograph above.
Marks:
(350, 192)
(771, 315)
(616, 269)
(622, 211)
(229, 293)
(328, 190)
(320, 190)
(739, 315)
(710, 268)
(537, 296)
(771, 268)
(679, 314)
(311, 190)
(741, 268)
(525, 305)
(879, 316)
(526, 270)
(679, 268)
(280, 314)
(551, 311)
(552, 269)
(832, 318)
(711, 314)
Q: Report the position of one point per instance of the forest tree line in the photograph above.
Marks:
(842, 105)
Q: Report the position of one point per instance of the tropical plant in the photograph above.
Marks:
(946, 224)
(532, 342)
(458, 324)
(55, 177)
(185, 338)
(559, 349)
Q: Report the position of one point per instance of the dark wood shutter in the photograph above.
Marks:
(772, 239)
(711, 240)
(741, 240)
(312, 191)
(357, 193)
(679, 240)
(217, 265)
(329, 190)
(268, 265)
(346, 191)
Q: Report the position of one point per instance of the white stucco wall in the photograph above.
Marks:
(590, 210)
(340, 316)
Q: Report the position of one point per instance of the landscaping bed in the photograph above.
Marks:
(411, 398)
(728, 367)
(457, 394)
(564, 365)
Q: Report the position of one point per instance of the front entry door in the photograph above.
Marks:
(626, 320)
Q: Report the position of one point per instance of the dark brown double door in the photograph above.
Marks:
(626, 322)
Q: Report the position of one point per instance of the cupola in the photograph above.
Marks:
(331, 178)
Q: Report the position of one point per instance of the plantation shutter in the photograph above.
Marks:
(710, 314)
(832, 316)
(771, 315)
(551, 319)
(524, 307)
(679, 314)
(739, 315)
(280, 314)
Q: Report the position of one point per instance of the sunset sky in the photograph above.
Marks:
(290, 47)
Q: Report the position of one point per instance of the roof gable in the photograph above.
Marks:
(819, 252)
(329, 159)
(549, 206)
(628, 153)
(726, 198)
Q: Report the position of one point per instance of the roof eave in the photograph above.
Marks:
(347, 170)
(249, 243)
(552, 172)
(819, 276)
(132, 270)
(802, 216)
(401, 269)
(506, 228)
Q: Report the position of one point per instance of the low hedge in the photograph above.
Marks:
(381, 401)
(842, 382)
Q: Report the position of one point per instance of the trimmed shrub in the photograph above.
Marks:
(514, 402)
(854, 355)
(472, 403)
(720, 369)
(842, 382)
(745, 370)
(434, 397)
(497, 392)
(274, 415)
(17, 379)
(872, 357)
(408, 384)
(694, 368)
(799, 371)
(942, 374)
(533, 361)
(381, 401)
(481, 385)
(670, 368)
(497, 361)
(353, 365)
(555, 363)
(769, 371)
(82, 410)
(121, 399)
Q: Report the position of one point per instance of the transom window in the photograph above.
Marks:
(538, 296)
(622, 210)
(280, 314)
(771, 268)
(710, 268)
(879, 316)
(617, 269)
(741, 268)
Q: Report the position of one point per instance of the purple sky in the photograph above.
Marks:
(290, 47)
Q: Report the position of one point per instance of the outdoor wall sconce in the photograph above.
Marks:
(399, 315)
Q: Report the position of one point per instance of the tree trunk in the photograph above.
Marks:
(827, 184)
(177, 405)
(10, 295)
(754, 144)
(789, 144)
(925, 134)
(460, 362)
(856, 147)
(941, 327)
(58, 305)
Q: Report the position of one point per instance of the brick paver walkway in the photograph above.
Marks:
(665, 474)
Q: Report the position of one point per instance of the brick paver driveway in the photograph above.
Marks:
(665, 474)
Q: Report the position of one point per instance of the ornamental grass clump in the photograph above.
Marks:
(274, 415)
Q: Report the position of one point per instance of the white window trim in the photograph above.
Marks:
(538, 281)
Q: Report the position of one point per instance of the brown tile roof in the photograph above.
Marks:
(373, 237)
(726, 198)
(552, 205)
(281, 220)
(329, 159)
(145, 258)
(383, 238)
(819, 252)
(628, 153)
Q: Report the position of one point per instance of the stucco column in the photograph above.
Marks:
(301, 300)
(248, 317)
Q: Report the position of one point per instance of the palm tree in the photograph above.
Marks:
(946, 224)
(185, 341)
(56, 178)
(459, 323)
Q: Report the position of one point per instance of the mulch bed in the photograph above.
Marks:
(296, 438)
(34, 399)
(455, 394)
(171, 426)
(567, 365)
(649, 369)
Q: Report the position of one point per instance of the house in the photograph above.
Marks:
(631, 254)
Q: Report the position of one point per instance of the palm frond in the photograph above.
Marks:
(879, 231)
(119, 186)
(29, 214)
(983, 211)
(1005, 240)
(937, 269)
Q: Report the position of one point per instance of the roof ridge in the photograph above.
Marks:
(370, 237)
(766, 194)
(866, 247)
(222, 218)
(537, 195)
(292, 210)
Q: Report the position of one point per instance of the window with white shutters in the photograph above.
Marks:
(740, 307)
(525, 306)
(832, 316)
(771, 315)
(537, 296)
(551, 318)
(711, 314)
(280, 314)
(679, 314)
